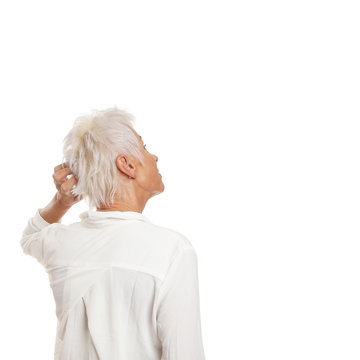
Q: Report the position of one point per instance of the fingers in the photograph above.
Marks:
(67, 185)
(61, 175)
(60, 166)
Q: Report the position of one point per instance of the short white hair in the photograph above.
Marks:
(90, 150)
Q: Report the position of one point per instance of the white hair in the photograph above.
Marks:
(90, 150)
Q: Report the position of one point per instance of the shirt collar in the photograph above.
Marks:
(127, 215)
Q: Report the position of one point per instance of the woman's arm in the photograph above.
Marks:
(178, 315)
(54, 210)
(34, 235)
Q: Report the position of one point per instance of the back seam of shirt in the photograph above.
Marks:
(106, 267)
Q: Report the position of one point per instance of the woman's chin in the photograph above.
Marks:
(162, 187)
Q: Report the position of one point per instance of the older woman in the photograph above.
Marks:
(124, 287)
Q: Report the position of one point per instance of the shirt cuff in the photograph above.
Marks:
(39, 221)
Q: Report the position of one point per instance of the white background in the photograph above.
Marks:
(253, 110)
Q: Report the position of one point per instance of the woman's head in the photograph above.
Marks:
(110, 160)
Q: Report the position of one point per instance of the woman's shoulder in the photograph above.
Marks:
(169, 234)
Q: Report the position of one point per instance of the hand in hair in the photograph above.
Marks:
(63, 199)
(64, 184)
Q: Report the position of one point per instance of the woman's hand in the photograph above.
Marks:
(63, 199)
(65, 185)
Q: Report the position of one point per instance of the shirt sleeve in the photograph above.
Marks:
(178, 314)
(32, 240)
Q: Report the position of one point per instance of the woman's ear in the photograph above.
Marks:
(125, 165)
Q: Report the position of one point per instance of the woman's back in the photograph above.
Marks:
(124, 287)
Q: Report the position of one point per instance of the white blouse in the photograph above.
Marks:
(124, 288)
